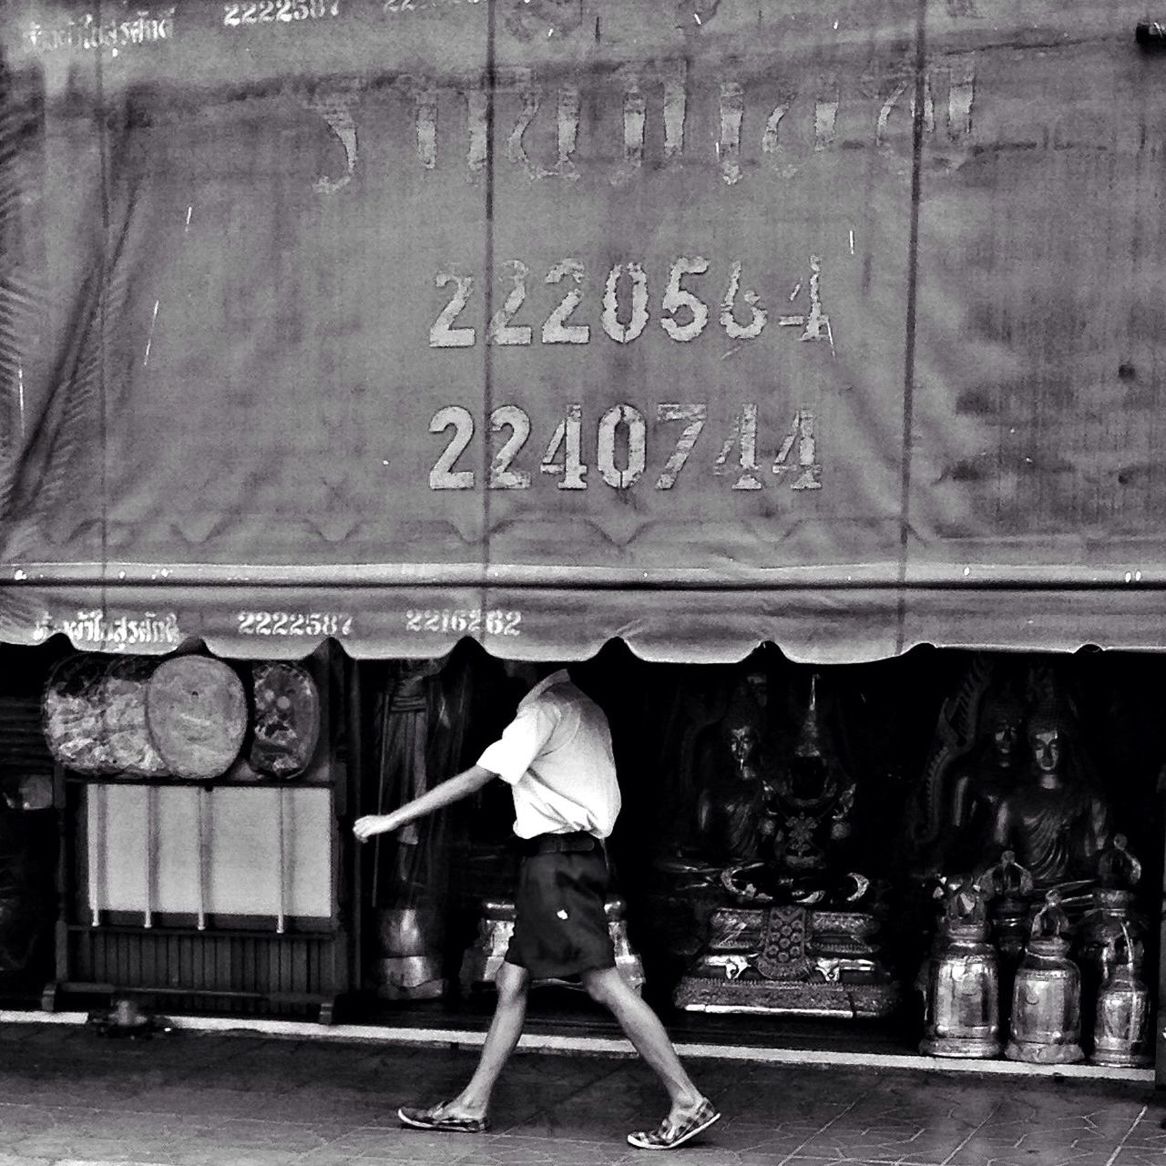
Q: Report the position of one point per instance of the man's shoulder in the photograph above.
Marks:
(560, 693)
(564, 694)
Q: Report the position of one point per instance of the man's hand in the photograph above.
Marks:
(441, 795)
(371, 824)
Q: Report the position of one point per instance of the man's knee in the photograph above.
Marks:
(511, 983)
(604, 985)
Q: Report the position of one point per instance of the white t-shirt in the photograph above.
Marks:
(556, 757)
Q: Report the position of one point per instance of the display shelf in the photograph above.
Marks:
(247, 929)
(196, 783)
(209, 889)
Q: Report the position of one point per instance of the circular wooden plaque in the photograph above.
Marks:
(73, 715)
(197, 714)
(287, 719)
(131, 746)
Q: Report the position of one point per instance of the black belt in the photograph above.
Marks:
(576, 842)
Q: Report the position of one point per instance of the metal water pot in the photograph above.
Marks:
(1046, 997)
(409, 964)
(1121, 1030)
(961, 1006)
(1111, 921)
(1010, 887)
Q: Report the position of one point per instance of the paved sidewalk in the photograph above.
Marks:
(70, 1097)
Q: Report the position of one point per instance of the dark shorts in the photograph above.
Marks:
(560, 926)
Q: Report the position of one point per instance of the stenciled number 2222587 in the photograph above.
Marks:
(621, 448)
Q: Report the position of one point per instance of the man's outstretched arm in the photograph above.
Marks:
(446, 793)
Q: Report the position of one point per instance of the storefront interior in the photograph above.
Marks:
(792, 841)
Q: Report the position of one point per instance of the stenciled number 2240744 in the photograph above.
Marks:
(621, 454)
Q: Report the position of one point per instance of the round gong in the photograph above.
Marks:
(287, 719)
(197, 714)
(73, 715)
(131, 746)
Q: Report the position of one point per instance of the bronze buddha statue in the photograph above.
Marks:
(790, 932)
(978, 757)
(804, 824)
(812, 801)
(732, 822)
(1054, 822)
(983, 779)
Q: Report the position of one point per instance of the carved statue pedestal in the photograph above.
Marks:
(409, 966)
(790, 960)
(487, 954)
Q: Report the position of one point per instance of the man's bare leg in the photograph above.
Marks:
(643, 1028)
(505, 1029)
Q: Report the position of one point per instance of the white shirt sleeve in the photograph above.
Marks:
(521, 742)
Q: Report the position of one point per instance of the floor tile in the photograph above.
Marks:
(198, 1099)
(1034, 1155)
(523, 1151)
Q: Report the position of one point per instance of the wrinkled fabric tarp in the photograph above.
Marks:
(697, 324)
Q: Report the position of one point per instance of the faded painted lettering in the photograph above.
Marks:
(623, 447)
(638, 319)
(556, 330)
(90, 33)
(624, 314)
(732, 115)
(442, 335)
(293, 623)
(758, 315)
(678, 299)
(500, 330)
(464, 621)
(443, 476)
(335, 107)
(774, 132)
(104, 631)
(245, 15)
(502, 477)
(606, 457)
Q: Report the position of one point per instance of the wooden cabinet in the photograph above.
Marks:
(223, 895)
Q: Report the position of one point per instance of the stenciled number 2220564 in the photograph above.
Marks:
(684, 315)
(619, 448)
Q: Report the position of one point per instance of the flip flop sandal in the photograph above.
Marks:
(428, 1119)
(668, 1136)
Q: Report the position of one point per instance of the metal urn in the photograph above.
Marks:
(1009, 887)
(1112, 921)
(1121, 1031)
(410, 965)
(962, 989)
(1046, 997)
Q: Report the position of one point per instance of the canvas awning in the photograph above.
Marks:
(825, 623)
(548, 323)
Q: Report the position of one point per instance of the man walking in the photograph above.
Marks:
(557, 758)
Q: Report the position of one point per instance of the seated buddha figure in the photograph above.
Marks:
(731, 811)
(1054, 822)
(808, 802)
(811, 802)
(793, 930)
(977, 756)
(712, 812)
(982, 779)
